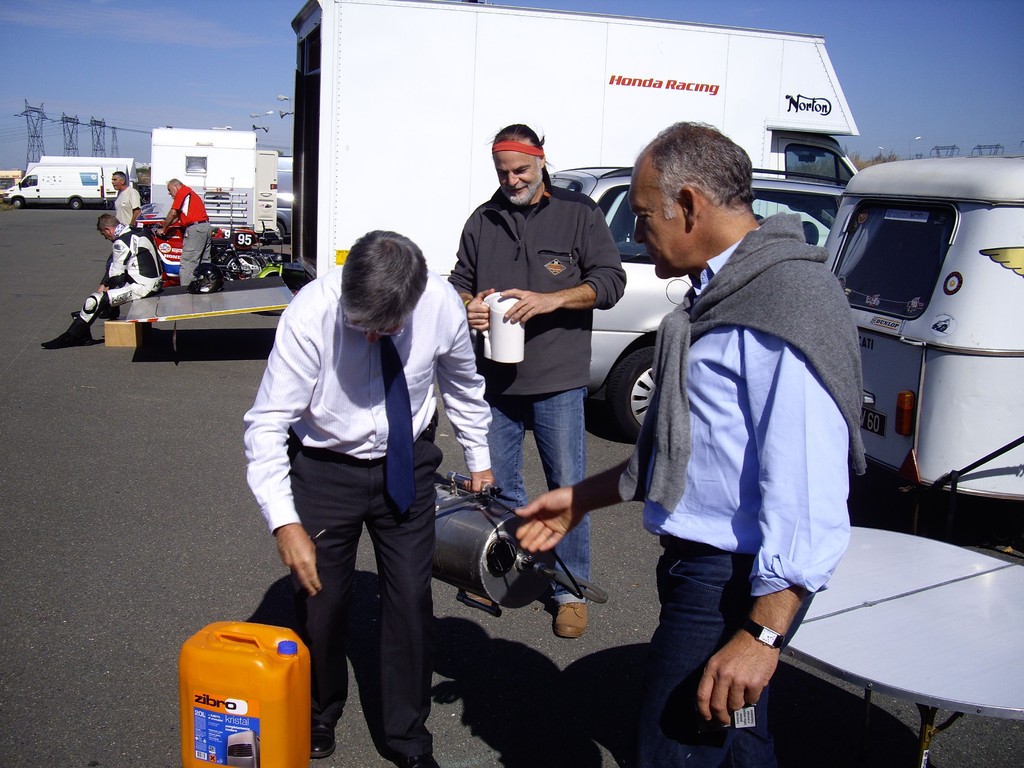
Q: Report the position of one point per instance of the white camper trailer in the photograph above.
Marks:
(931, 258)
(237, 181)
(397, 100)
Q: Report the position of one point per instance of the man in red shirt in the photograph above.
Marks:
(188, 211)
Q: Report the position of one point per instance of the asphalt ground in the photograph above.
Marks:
(128, 527)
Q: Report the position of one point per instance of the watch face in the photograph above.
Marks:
(764, 635)
(768, 637)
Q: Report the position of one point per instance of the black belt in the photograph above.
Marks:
(682, 548)
(337, 457)
(192, 224)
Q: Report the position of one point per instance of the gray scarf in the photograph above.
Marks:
(798, 300)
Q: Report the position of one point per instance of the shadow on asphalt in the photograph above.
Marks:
(514, 698)
(812, 718)
(204, 345)
(517, 701)
(362, 646)
(529, 712)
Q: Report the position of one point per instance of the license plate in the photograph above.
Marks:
(872, 421)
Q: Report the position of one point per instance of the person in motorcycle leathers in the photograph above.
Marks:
(133, 272)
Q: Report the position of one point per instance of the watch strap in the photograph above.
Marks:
(762, 634)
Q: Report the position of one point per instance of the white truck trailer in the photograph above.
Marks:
(397, 101)
(237, 181)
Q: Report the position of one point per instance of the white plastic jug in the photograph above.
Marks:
(503, 342)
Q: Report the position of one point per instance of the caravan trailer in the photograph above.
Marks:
(931, 257)
(237, 181)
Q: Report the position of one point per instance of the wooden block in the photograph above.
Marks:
(117, 333)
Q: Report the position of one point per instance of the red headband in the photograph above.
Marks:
(517, 146)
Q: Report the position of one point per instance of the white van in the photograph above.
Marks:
(931, 255)
(109, 165)
(73, 186)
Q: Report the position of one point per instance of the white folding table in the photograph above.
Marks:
(924, 621)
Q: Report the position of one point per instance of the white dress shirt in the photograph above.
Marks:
(323, 380)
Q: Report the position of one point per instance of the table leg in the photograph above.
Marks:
(929, 730)
(925, 734)
(867, 725)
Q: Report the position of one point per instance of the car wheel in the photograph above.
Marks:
(75, 204)
(629, 392)
(18, 202)
(282, 228)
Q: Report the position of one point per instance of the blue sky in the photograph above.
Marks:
(949, 72)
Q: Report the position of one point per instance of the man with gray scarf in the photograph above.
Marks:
(741, 463)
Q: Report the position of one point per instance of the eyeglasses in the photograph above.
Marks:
(393, 331)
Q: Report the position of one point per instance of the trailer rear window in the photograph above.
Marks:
(892, 256)
(803, 160)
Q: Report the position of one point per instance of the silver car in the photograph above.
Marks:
(623, 340)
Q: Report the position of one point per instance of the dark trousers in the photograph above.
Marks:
(704, 594)
(338, 495)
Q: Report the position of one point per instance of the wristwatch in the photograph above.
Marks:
(769, 637)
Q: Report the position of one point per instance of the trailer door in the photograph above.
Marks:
(889, 265)
(265, 215)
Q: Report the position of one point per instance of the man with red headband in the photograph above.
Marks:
(550, 249)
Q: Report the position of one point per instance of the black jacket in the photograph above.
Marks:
(561, 242)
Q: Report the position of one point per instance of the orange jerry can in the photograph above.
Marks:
(244, 695)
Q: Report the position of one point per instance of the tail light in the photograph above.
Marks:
(905, 407)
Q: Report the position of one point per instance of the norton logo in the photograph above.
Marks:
(800, 103)
(668, 85)
(232, 706)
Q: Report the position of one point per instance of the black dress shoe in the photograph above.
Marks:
(321, 741)
(418, 761)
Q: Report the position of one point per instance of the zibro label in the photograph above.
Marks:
(224, 726)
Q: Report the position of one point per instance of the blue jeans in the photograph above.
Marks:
(559, 431)
(705, 595)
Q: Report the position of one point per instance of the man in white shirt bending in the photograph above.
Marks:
(324, 460)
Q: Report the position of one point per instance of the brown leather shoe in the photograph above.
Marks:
(571, 620)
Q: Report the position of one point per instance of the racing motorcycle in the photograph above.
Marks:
(236, 251)
(240, 255)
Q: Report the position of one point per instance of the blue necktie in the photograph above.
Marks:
(398, 470)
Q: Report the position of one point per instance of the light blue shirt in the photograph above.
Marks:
(768, 465)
